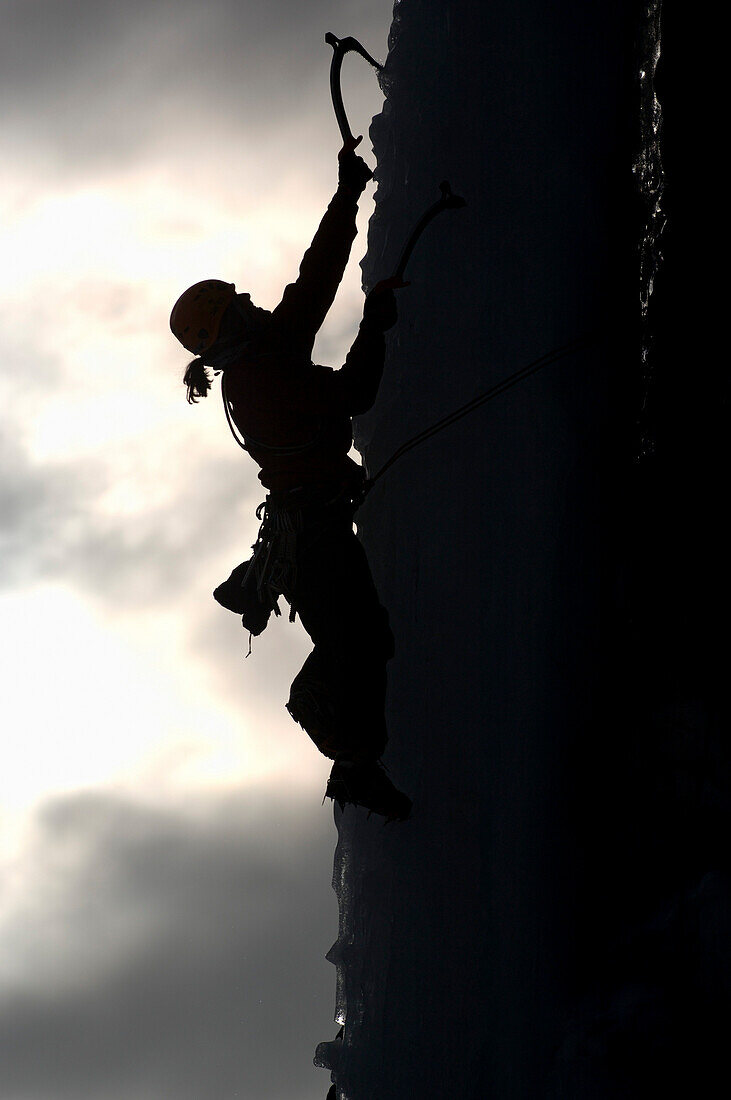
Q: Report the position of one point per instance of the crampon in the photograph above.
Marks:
(366, 784)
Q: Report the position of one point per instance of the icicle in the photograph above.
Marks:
(650, 176)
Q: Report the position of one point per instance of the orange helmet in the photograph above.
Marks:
(196, 316)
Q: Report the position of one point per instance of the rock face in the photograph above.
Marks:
(508, 941)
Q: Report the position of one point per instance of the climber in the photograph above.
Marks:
(294, 419)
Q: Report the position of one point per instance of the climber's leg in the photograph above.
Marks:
(339, 695)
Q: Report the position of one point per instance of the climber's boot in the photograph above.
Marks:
(365, 783)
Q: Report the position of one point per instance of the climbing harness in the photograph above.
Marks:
(341, 46)
(253, 588)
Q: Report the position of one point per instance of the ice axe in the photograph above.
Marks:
(341, 46)
(448, 201)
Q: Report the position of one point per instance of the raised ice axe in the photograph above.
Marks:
(341, 46)
(448, 201)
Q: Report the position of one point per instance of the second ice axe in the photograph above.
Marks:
(448, 201)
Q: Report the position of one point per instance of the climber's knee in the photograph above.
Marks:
(310, 706)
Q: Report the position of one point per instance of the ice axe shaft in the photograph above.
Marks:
(448, 201)
(341, 46)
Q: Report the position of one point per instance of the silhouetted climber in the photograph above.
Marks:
(295, 422)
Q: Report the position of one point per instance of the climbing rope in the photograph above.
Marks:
(446, 421)
(246, 442)
(512, 380)
(448, 201)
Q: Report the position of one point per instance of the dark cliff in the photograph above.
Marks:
(545, 922)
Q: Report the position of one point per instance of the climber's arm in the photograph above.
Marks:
(355, 385)
(305, 303)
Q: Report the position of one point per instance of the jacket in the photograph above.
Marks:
(295, 416)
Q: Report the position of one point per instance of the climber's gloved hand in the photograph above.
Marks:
(353, 172)
(380, 305)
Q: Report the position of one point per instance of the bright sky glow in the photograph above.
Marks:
(110, 465)
(86, 705)
(142, 229)
(114, 704)
(113, 260)
(145, 147)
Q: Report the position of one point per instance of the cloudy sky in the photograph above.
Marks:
(165, 862)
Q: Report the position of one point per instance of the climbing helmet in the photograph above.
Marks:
(196, 316)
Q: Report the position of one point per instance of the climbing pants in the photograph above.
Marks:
(338, 697)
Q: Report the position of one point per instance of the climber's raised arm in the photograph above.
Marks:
(305, 302)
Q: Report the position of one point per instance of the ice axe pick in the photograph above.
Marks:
(341, 46)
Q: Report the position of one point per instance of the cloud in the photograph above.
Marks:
(53, 526)
(159, 953)
(158, 555)
(103, 83)
(39, 511)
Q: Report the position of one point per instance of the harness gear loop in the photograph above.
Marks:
(274, 562)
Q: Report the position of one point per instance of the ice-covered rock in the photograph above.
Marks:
(499, 548)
